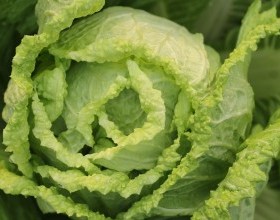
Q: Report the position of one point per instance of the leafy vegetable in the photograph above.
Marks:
(116, 113)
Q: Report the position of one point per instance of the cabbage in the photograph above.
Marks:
(116, 113)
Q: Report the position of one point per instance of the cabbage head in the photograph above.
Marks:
(119, 114)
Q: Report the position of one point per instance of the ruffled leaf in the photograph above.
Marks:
(20, 86)
(227, 111)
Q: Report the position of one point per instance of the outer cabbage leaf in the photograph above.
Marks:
(17, 18)
(218, 115)
(241, 182)
(20, 87)
(14, 184)
(20, 90)
(241, 185)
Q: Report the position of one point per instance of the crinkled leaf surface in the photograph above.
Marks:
(123, 114)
